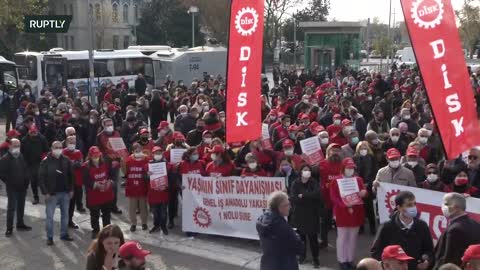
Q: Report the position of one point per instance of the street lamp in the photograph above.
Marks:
(294, 41)
(193, 10)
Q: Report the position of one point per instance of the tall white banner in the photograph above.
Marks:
(226, 206)
(429, 205)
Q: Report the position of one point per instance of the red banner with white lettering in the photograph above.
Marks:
(244, 70)
(438, 50)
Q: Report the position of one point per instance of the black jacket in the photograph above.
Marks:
(306, 210)
(47, 174)
(416, 241)
(280, 244)
(460, 233)
(14, 172)
(194, 137)
(32, 148)
(366, 168)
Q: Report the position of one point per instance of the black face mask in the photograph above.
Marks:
(178, 143)
(201, 128)
(335, 158)
(131, 119)
(143, 139)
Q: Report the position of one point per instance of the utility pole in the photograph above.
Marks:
(193, 10)
(294, 42)
(91, 84)
(388, 32)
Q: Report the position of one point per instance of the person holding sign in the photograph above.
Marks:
(97, 178)
(158, 188)
(346, 193)
(134, 170)
(253, 169)
(305, 197)
(221, 165)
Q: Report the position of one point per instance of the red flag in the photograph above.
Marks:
(244, 69)
(438, 50)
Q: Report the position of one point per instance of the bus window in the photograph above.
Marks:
(138, 65)
(30, 62)
(10, 79)
(149, 75)
(78, 69)
(101, 69)
(120, 67)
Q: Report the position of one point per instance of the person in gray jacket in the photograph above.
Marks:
(394, 172)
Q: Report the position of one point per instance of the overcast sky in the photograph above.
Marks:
(356, 10)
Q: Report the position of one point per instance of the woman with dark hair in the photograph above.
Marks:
(287, 171)
(305, 197)
(221, 165)
(461, 185)
(191, 162)
(103, 251)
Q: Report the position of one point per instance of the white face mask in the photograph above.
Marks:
(56, 152)
(109, 129)
(71, 147)
(252, 165)
(445, 211)
(213, 157)
(349, 172)
(429, 132)
(337, 122)
(324, 141)
(412, 163)
(207, 140)
(375, 141)
(138, 154)
(432, 178)
(394, 164)
(158, 157)
(406, 117)
(394, 139)
(183, 114)
(15, 151)
(306, 174)
(288, 152)
(363, 152)
(92, 121)
(423, 140)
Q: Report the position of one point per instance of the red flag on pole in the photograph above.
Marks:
(244, 69)
(438, 50)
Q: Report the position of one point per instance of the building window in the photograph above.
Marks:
(115, 42)
(98, 41)
(115, 13)
(135, 14)
(98, 12)
(125, 13)
(65, 11)
(65, 42)
(72, 43)
(126, 41)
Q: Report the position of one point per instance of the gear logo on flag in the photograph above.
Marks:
(427, 13)
(390, 200)
(201, 217)
(246, 21)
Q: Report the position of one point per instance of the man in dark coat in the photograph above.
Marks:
(14, 172)
(280, 244)
(461, 232)
(408, 231)
(140, 85)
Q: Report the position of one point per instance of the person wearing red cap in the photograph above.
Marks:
(135, 170)
(253, 168)
(145, 141)
(97, 179)
(471, 258)
(12, 134)
(349, 216)
(112, 114)
(329, 169)
(336, 127)
(165, 135)
(103, 251)
(413, 162)
(133, 255)
(271, 117)
(341, 137)
(462, 185)
(395, 258)
(288, 151)
(281, 131)
(158, 194)
(272, 126)
(221, 165)
(394, 172)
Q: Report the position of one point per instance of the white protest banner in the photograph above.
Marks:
(176, 155)
(312, 151)
(349, 190)
(266, 143)
(226, 206)
(158, 178)
(429, 205)
(118, 146)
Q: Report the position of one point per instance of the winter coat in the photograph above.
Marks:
(306, 210)
(33, 148)
(280, 244)
(401, 176)
(342, 216)
(14, 172)
(47, 174)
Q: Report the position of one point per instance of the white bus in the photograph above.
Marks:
(8, 78)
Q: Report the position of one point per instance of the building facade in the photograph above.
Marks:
(114, 23)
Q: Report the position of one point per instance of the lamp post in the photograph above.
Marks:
(193, 10)
(91, 80)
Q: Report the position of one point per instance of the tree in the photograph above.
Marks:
(383, 45)
(275, 12)
(166, 22)
(317, 10)
(469, 17)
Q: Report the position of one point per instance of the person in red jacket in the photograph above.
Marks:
(158, 194)
(165, 135)
(207, 137)
(288, 151)
(461, 185)
(97, 179)
(4, 146)
(348, 211)
(281, 132)
(336, 127)
(145, 141)
(191, 162)
(221, 165)
(253, 169)
(76, 157)
(341, 137)
(329, 168)
(134, 169)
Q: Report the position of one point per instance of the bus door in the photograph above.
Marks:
(55, 72)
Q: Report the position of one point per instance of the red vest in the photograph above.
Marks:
(158, 196)
(75, 155)
(342, 217)
(224, 169)
(186, 167)
(136, 186)
(97, 197)
(328, 172)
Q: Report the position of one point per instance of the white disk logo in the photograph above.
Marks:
(427, 13)
(246, 21)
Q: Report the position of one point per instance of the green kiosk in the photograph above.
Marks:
(331, 44)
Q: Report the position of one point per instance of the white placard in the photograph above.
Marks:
(176, 155)
(347, 186)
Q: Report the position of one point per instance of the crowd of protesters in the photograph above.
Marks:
(374, 127)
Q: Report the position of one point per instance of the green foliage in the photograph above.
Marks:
(383, 45)
(166, 22)
(317, 10)
(469, 18)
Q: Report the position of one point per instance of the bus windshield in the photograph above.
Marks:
(8, 77)
(30, 62)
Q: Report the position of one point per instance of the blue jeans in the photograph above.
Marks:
(62, 199)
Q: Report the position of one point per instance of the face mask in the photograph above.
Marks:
(95, 160)
(461, 181)
(423, 140)
(56, 152)
(369, 98)
(406, 117)
(27, 93)
(349, 172)
(286, 168)
(201, 128)
(10, 96)
(158, 157)
(93, 121)
(394, 139)
(213, 157)
(194, 157)
(207, 140)
(335, 158)
(44, 112)
(445, 211)
(288, 152)
(394, 164)
(138, 154)
(287, 124)
(306, 174)
(222, 119)
(411, 212)
(292, 136)
(375, 141)
(105, 109)
(109, 129)
(429, 132)
(363, 152)
(355, 140)
(412, 163)
(71, 147)
(324, 141)
(37, 113)
(337, 122)
(178, 143)
(273, 118)
(183, 114)
(74, 116)
(432, 178)
(15, 152)
(252, 165)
